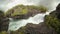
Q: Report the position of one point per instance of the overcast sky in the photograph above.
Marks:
(7, 4)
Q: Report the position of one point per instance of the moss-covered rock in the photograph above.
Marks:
(23, 12)
(53, 20)
(36, 29)
(4, 22)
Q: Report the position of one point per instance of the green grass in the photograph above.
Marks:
(21, 10)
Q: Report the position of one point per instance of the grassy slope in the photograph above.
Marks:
(21, 10)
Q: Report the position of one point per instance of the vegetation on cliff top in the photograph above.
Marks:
(53, 20)
(22, 10)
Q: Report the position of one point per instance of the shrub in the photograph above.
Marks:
(53, 22)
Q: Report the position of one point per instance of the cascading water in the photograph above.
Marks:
(7, 4)
(14, 25)
(38, 18)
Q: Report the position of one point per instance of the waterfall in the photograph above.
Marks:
(15, 25)
(7, 4)
(38, 18)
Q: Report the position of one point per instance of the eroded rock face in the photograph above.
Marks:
(58, 8)
(53, 19)
(24, 12)
(56, 13)
(35, 29)
(40, 29)
(4, 22)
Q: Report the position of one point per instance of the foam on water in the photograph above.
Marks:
(38, 18)
(14, 25)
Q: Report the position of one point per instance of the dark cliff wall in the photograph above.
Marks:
(4, 22)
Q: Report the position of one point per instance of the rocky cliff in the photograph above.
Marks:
(53, 20)
(4, 22)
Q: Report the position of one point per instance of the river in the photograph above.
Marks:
(38, 18)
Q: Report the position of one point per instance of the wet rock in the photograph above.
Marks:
(56, 13)
(4, 22)
(58, 8)
(37, 29)
(53, 19)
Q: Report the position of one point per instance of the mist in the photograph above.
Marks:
(7, 4)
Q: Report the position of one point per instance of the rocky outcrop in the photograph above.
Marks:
(24, 12)
(35, 29)
(53, 20)
(56, 13)
(58, 8)
(4, 22)
(38, 29)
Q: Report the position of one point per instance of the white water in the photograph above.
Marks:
(38, 18)
(14, 25)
